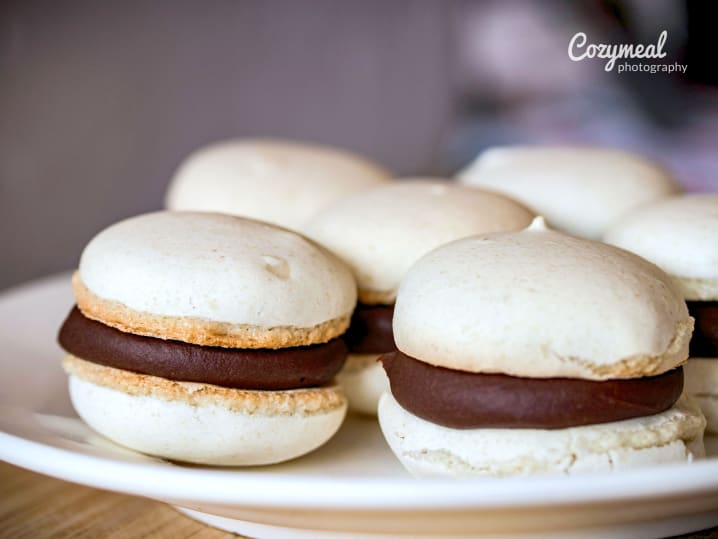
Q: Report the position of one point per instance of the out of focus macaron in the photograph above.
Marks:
(579, 190)
(380, 233)
(680, 235)
(207, 338)
(537, 352)
(277, 181)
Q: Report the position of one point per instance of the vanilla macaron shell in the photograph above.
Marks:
(201, 423)
(364, 382)
(539, 303)
(580, 190)
(277, 181)
(381, 232)
(214, 279)
(679, 234)
(702, 384)
(427, 449)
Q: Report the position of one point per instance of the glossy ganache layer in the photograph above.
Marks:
(259, 369)
(465, 400)
(704, 342)
(370, 331)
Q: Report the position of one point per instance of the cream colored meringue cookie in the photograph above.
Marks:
(679, 234)
(539, 303)
(277, 181)
(580, 190)
(364, 382)
(702, 384)
(381, 232)
(202, 423)
(426, 449)
(214, 280)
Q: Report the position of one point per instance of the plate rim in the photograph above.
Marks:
(286, 490)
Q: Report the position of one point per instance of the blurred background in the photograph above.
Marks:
(100, 101)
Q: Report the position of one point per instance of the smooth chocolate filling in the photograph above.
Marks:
(370, 331)
(464, 400)
(704, 342)
(287, 368)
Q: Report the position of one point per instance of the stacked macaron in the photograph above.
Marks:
(580, 190)
(277, 181)
(380, 233)
(533, 351)
(209, 339)
(680, 235)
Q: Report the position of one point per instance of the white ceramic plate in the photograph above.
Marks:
(351, 487)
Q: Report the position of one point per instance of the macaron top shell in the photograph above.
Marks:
(679, 234)
(580, 190)
(218, 268)
(277, 181)
(538, 303)
(381, 232)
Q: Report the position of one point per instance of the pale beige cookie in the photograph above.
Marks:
(364, 381)
(678, 234)
(380, 232)
(305, 401)
(277, 181)
(376, 297)
(428, 449)
(580, 190)
(541, 304)
(201, 331)
(202, 423)
(702, 383)
(214, 280)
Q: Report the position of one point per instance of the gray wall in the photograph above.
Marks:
(100, 100)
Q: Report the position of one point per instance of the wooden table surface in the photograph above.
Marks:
(34, 506)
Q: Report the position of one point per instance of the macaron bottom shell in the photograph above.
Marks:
(364, 381)
(426, 449)
(236, 428)
(702, 385)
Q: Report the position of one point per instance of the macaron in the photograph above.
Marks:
(209, 339)
(579, 190)
(680, 234)
(536, 352)
(379, 233)
(277, 181)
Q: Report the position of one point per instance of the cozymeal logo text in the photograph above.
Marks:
(580, 49)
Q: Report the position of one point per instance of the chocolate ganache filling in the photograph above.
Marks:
(371, 331)
(287, 368)
(704, 342)
(464, 400)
